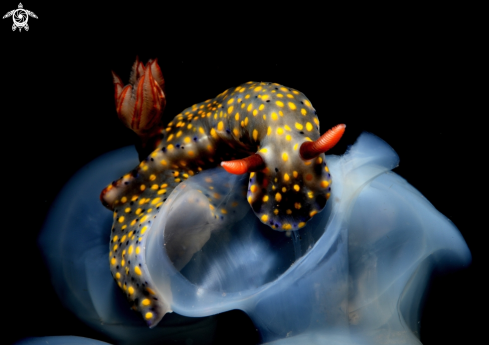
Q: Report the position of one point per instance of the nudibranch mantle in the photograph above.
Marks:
(267, 120)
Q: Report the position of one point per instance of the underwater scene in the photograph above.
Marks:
(344, 213)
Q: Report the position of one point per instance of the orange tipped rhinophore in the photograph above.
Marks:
(245, 165)
(141, 103)
(312, 149)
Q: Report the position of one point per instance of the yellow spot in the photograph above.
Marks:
(298, 126)
(274, 116)
(284, 189)
(255, 112)
(280, 95)
(201, 130)
(253, 188)
(113, 261)
(278, 197)
(324, 183)
(131, 248)
(145, 302)
(286, 177)
(161, 191)
(246, 121)
(127, 210)
(298, 205)
(288, 137)
(261, 107)
(286, 226)
(316, 121)
(170, 147)
(264, 150)
(296, 146)
(236, 117)
(285, 156)
(275, 212)
(231, 100)
(191, 153)
(264, 218)
(280, 131)
(309, 126)
(269, 130)
(306, 102)
(265, 198)
(138, 250)
(292, 105)
(130, 290)
(297, 188)
(223, 211)
(301, 225)
(138, 211)
(179, 134)
(310, 195)
(283, 89)
(280, 104)
(214, 134)
(121, 219)
(123, 199)
(312, 213)
(124, 227)
(123, 239)
(186, 140)
(118, 275)
(143, 230)
(155, 187)
(303, 111)
(288, 211)
(257, 88)
(319, 160)
(163, 162)
(250, 199)
(280, 113)
(250, 107)
(326, 169)
(148, 315)
(236, 132)
(264, 117)
(328, 195)
(220, 126)
(255, 134)
(138, 270)
(252, 174)
(170, 137)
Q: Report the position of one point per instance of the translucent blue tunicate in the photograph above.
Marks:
(354, 275)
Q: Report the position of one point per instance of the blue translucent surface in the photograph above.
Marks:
(354, 275)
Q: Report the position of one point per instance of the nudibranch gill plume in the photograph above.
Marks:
(265, 129)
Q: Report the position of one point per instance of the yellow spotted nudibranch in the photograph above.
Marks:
(265, 129)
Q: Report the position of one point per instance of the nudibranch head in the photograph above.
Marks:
(289, 181)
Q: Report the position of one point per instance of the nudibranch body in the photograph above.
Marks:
(289, 181)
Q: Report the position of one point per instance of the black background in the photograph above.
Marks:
(410, 76)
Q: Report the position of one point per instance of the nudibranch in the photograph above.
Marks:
(265, 129)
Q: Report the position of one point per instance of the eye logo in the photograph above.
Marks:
(20, 17)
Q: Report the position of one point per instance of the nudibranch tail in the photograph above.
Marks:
(267, 129)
